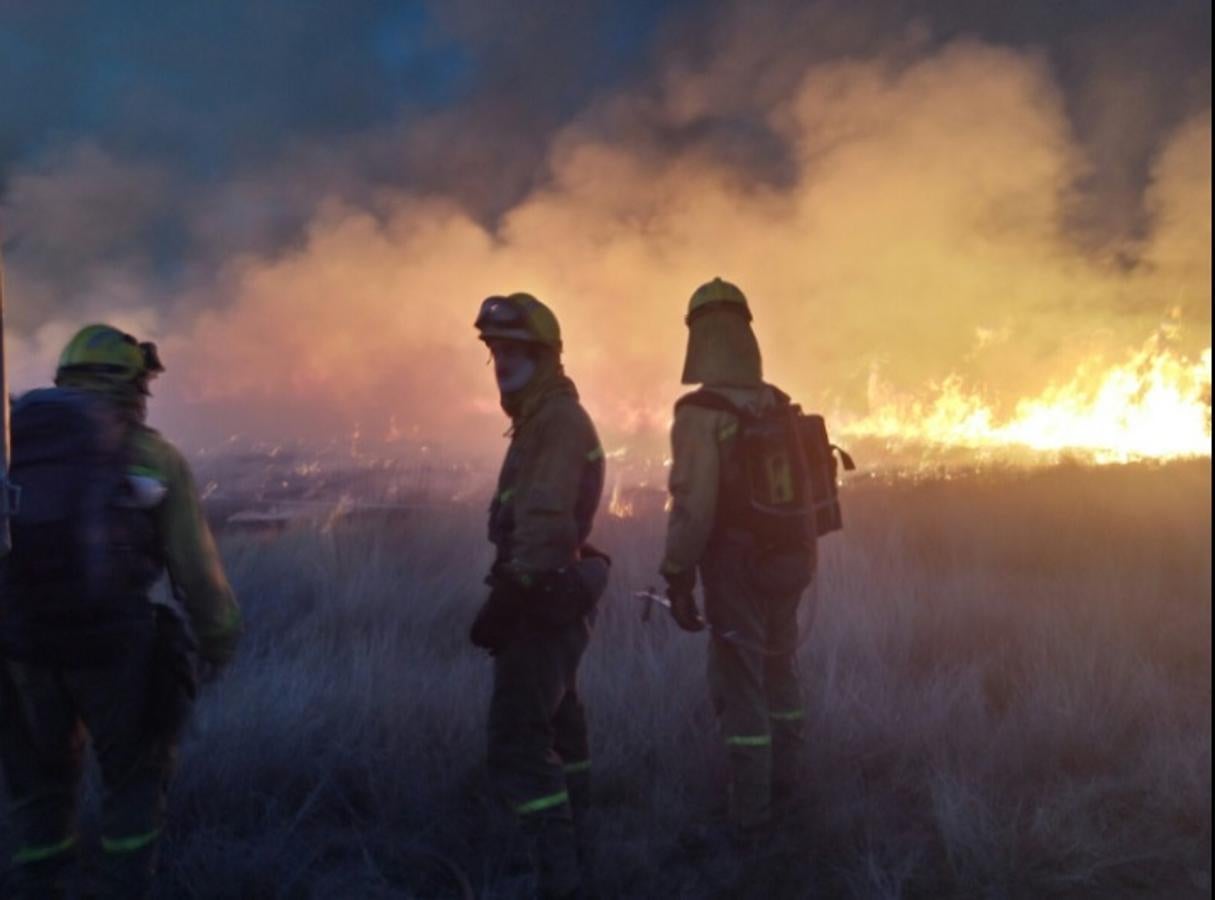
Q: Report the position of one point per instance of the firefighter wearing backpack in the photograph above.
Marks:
(107, 505)
(740, 515)
(544, 584)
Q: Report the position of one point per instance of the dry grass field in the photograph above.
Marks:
(1009, 676)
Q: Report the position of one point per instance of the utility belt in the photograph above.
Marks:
(558, 598)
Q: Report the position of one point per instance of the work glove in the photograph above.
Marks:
(680, 588)
(495, 623)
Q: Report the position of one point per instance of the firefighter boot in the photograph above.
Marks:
(555, 852)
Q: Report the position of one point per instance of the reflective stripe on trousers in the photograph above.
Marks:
(788, 715)
(540, 804)
(749, 740)
(130, 844)
(537, 729)
(757, 697)
(36, 854)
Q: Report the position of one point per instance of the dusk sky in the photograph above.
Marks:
(305, 202)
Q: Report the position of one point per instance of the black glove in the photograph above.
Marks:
(680, 588)
(497, 619)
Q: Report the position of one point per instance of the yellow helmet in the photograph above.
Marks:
(717, 294)
(105, 354)
(518, 317)
(722, 350)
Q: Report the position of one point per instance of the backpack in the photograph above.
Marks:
(821, 457)
(73, 590)
(784, 481)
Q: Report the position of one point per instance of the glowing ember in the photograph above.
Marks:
(1157, 405)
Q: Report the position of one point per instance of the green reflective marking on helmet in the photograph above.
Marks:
(542, 803)
(577, 767)
(129, 844)
(787, 715)
(727, 431)
(749, 740)
(144, 471)
(27, 855)
(505, 496)
(595, 455)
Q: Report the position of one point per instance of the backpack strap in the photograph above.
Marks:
(709, 399)
(706, 399)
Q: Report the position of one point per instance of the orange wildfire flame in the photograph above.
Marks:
(618, 506)
(1156, 405)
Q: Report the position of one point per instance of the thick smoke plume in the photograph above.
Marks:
(900, 216)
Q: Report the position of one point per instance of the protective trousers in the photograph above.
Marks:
(753, 679)
(539, 756)
(45, 714)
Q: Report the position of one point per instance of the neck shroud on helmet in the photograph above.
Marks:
(722, 348)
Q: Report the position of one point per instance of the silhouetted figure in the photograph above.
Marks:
(741, 514)
(544, 585)
(107, 505)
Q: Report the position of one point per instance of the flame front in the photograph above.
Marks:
(1156, 405)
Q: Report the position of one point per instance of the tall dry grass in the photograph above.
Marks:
(1009, 678)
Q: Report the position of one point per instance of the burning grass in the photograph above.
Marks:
(1009, 676)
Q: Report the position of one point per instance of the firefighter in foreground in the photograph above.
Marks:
(107, 505)
(741, 516)
(544, 585)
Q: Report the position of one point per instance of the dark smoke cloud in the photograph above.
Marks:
(245, 116)
(252, 114)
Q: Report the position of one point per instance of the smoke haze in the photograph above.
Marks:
(902, 198)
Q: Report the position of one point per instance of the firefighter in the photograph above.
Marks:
(732, 441)
(85, 655)
(544, 583)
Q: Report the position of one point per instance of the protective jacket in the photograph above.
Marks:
(540, 519)
(550, 483)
